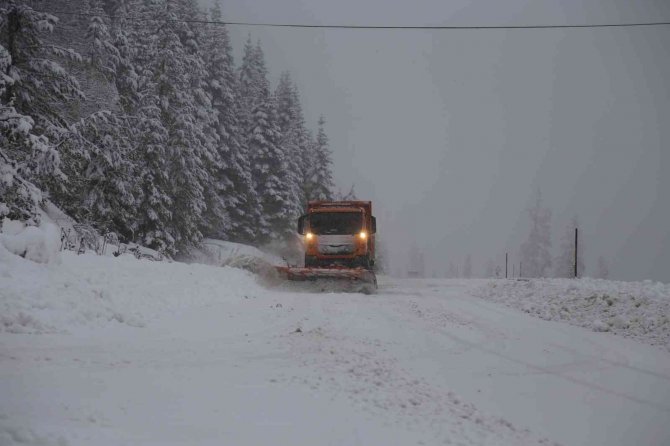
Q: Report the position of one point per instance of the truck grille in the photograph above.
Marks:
(336, 249)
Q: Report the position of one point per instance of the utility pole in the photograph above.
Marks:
(513, 270)
(505, 265)
(576, 247)
(519, 269)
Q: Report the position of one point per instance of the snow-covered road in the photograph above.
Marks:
(421, 362)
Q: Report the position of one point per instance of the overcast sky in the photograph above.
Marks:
(451, 132)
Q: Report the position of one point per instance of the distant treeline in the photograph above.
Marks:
(132, 116)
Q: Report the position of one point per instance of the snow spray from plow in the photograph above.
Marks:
(357, 280)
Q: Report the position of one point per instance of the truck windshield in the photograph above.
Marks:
(335, 222)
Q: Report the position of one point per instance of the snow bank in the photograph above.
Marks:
(12, 435)
(37, 244)
(639, 310)
(90, 291)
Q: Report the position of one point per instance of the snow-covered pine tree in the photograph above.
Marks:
(293, 141)
(216, 220)
(170, 76)
(564, 264)
(269, 168)
(102, 54)
(126, 38)
(19, 198)
(603, 268)
(535, 251)
(304, 147)
(321, 178)
(101, 187)
(140, 96)
(232, 179)
(253, 84)
(36, 88)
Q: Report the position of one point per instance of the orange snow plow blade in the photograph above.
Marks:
(333, 279)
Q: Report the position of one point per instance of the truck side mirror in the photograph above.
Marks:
(374, 225)
(301, 225)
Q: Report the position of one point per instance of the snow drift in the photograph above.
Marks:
(638, 310)
(39, 244)
(91, 291)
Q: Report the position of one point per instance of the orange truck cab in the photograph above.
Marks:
(339, 234)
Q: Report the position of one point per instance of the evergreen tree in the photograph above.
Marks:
(103, 190)
(216, 187)
(254, 87)
(232, 177)
(99, 158)
(35, 87)
(153, 167)
(102, 55)
(173, 70)
(535, 251)
(321, 177)
(126, 39)
(269, 166)
(19, 198)
(294, 141)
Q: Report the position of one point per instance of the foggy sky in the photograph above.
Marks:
(450, 133)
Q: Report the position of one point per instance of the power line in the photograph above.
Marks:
(369, 27)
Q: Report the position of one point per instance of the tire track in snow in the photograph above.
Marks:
(540, 369)
(363, 370)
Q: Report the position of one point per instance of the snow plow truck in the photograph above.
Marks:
(339, 245)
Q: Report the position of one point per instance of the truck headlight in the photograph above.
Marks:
(363, 235)
(309, 236)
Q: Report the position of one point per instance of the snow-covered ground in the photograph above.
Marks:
(639, 310)
(112, 351)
